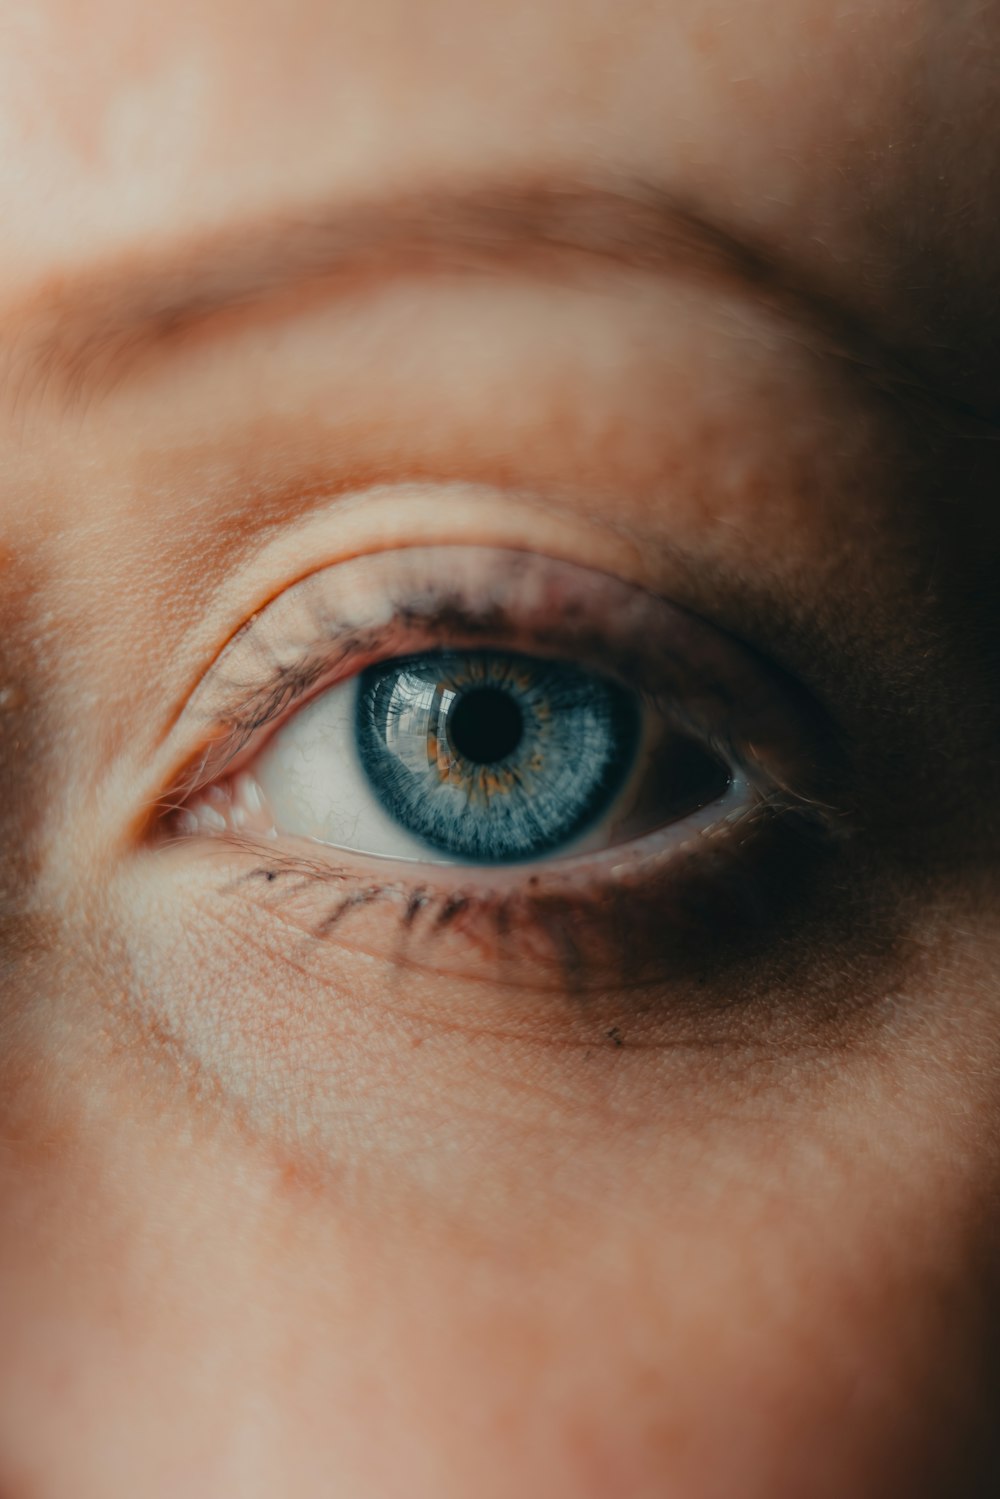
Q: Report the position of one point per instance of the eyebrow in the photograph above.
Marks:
(78, 336)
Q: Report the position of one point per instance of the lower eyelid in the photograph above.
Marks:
(627, 921)
(239, 808)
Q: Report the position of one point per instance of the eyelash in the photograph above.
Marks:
(704, 870)
(287, 690)
(492, 922)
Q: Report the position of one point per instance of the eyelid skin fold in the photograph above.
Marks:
(610, 919)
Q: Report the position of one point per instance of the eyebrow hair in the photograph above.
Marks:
(78, 336)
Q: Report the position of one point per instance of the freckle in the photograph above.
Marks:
(291, 1177)
(417, 1041)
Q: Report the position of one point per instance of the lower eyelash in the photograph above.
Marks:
(424, 918)
(715, 903)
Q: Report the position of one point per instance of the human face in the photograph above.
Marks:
(612, 1174)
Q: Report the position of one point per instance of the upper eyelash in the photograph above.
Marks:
(288, 682)
(245, 714)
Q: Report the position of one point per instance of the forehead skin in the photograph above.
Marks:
(689, 1277)
(827, 129)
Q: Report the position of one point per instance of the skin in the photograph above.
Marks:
(282, 1215)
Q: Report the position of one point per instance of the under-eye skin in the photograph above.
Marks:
(527, 763)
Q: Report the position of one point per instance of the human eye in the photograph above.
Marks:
(528, 764)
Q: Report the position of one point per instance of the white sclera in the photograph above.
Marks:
(315, 786)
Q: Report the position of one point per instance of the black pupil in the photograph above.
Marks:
(485, 725)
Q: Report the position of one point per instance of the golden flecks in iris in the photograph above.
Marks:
(481, 784)
(495, 785)
(439, 758)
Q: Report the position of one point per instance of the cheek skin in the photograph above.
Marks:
(785, 1296)
(777, 1282)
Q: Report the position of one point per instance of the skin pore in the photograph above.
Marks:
(698, 296)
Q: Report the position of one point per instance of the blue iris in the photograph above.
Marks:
(493, 756)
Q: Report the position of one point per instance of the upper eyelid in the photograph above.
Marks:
(395, 516)
(338, 522)
(244, 710)
(289, 685)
